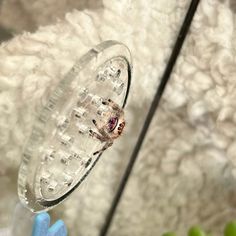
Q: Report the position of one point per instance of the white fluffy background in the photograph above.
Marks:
(185, 172)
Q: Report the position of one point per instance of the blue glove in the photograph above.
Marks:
(41, 226)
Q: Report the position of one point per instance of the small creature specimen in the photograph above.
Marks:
(112, 128)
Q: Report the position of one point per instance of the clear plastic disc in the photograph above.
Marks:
(60, 151)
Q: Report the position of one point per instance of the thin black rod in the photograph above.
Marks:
(155, 103)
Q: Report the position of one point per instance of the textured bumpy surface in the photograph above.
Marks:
(185, 173)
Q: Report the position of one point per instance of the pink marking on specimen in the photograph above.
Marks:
(112, 123)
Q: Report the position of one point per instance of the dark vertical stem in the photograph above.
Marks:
(155, 103)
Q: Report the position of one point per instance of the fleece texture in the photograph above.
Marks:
(185, 173)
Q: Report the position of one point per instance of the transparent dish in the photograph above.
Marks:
(61, 152)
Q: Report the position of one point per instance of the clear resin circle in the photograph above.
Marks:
(60, 151)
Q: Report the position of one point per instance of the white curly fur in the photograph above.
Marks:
(185, 173)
